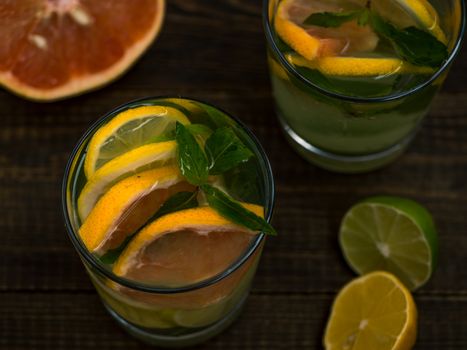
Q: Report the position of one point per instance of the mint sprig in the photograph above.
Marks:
(234, 211)
(412, 44)
(224, 151)
(191, 158)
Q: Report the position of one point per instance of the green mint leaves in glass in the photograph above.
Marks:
(354, 79)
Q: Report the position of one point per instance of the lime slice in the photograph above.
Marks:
(391, 234)
(128, 130)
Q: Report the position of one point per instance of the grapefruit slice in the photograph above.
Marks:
(184, 247)
(52, 49)
(137, 160)
(127, 205)
(312, 41)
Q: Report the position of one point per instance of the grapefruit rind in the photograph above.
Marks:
(201, 219)
(130, 162)
(97, 226)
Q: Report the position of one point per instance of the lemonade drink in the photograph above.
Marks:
(170, 247)
(353, 79)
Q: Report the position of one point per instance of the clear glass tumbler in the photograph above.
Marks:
(347, 133)
(160, 315)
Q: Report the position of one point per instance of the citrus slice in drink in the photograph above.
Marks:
(127, 205)
(391, 234)
(312, 41)
(375, 311)
(52, 49)
(136, 160)
(184, 247)
(347, 50)
(406, 13)
(130, 129)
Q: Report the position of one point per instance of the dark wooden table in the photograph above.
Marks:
(215, 51)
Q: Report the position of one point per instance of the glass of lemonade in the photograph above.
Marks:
(169, 263)
(353, 79)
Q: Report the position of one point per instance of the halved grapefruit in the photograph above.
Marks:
(52, 49)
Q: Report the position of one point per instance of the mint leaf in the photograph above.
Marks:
(331, 19)
(225, 151)
(179, 201)
(243, 182)
(234, 211)
(199, 131)
(414, 45)
(191, 158)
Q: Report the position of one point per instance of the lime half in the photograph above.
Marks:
(391, 234)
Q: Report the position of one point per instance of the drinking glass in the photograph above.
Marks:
(161, 315)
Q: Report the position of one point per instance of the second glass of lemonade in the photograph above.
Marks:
(169, 263)
(353, 79)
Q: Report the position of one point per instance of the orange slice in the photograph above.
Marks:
(184, 247)
(51, 49)
(127, 205)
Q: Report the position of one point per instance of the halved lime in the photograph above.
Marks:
(391, 234)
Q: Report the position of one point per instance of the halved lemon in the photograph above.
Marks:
(130, 129)
(127, 205)
(52, 49)
(134, 161)
(184, 247)
(372, 312)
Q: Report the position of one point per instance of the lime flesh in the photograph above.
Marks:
(391, 234)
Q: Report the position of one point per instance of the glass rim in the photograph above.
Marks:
(99, 266)
(291, 69)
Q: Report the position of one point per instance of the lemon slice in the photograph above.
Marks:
(127, 205)
(133, 161)
(403, 13)
(375, 311)
(357, 66)
(128, 130)
(184, 247)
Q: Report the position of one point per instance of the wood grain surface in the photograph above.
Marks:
(215, 51)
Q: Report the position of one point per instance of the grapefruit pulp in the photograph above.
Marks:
(52, 49)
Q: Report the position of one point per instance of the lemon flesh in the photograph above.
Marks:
(375, 311)
(391, 234)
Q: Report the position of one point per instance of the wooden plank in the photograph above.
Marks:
(78, 321)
